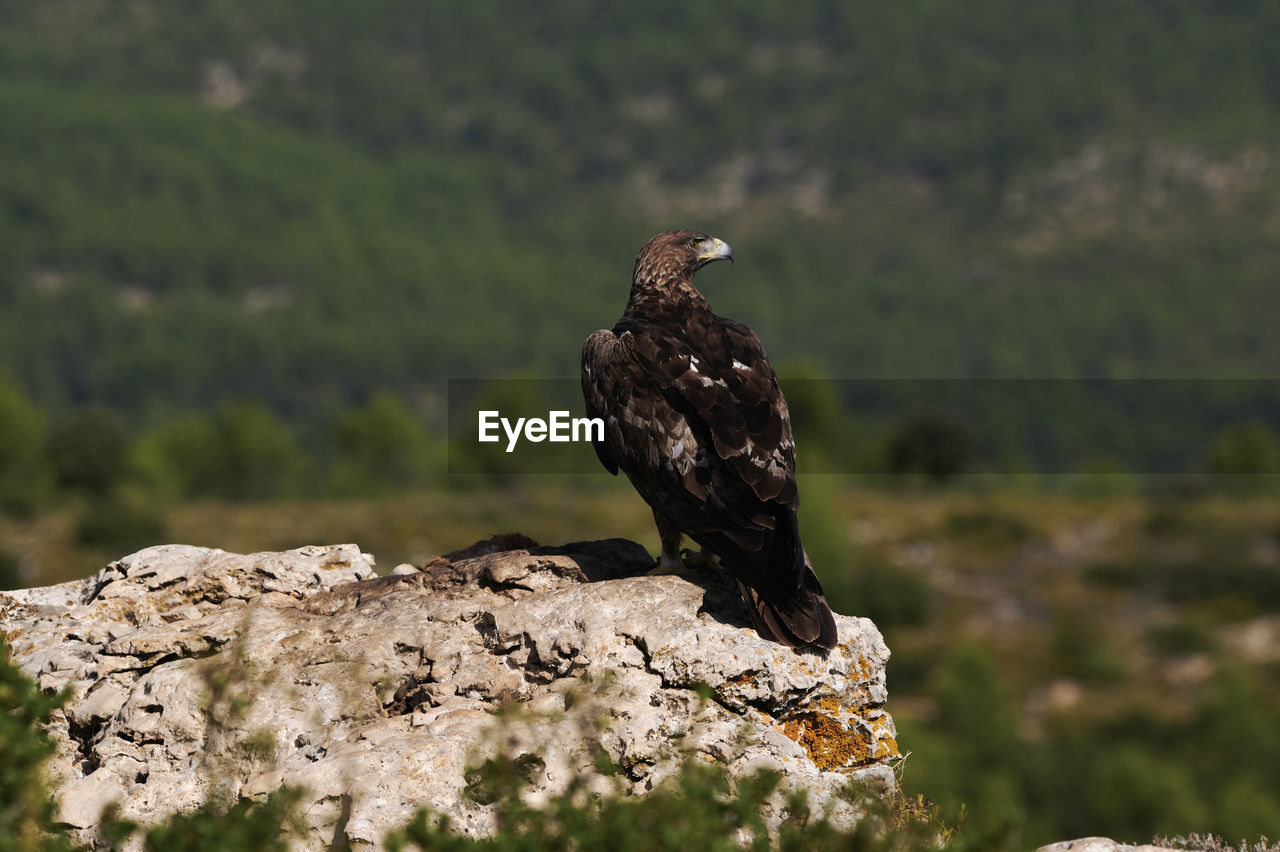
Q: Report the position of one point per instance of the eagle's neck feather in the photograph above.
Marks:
(669, 295)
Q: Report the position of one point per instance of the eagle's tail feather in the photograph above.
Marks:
(803, 620)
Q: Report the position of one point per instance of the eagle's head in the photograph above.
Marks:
(676, 255)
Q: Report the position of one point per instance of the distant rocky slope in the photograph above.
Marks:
(197, 673)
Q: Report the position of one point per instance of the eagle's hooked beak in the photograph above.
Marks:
(715, 249)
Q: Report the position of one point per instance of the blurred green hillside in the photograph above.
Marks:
(243, 246)
(301, 204)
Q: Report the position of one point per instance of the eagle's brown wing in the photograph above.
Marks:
(671, 408)
(733, 390)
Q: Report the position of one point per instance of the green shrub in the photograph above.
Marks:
(1246, 586)
(25, 479)
(1182, 636)
(1248, 449)
(1079, 648)
(242, 452)
(988, 525)
(700, 807)
(1167, 517)
(89, 451)
(26, 811)
(259, 454)
(823, 429)
(888, 595)
(1119, 575)
(120, 524)
(379, 448)
(931, 444)
(1236, 587)
(857, 583)
(1130, 788)
(10, 575)
(246, 825)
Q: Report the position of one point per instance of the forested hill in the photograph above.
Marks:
(302, 203)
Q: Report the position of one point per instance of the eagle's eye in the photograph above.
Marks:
(693, 243)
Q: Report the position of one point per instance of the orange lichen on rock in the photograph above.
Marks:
(883, 733)
(830, 744)
(862, 669)
(836, 740)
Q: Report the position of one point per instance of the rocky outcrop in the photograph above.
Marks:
(1098, 844)
(197, 673)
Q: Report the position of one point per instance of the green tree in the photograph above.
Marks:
(930, 443)
(181, 458)
(970, 756)
(379, 448)
(1247, 449)
(258, 453)
(975, 704)
(10, 575)
(823, 430)
(1130, 790)
(120, 522)
(242, 452)
(25, 478)
(88, 450)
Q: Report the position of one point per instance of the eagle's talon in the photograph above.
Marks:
(665, 568)
(698, 560)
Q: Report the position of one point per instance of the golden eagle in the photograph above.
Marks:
(695, 418)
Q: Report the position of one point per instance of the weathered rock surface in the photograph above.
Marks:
(1098, 844)
(197, 673)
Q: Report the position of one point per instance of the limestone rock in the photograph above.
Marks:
(1098, 844)
(197, 673)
